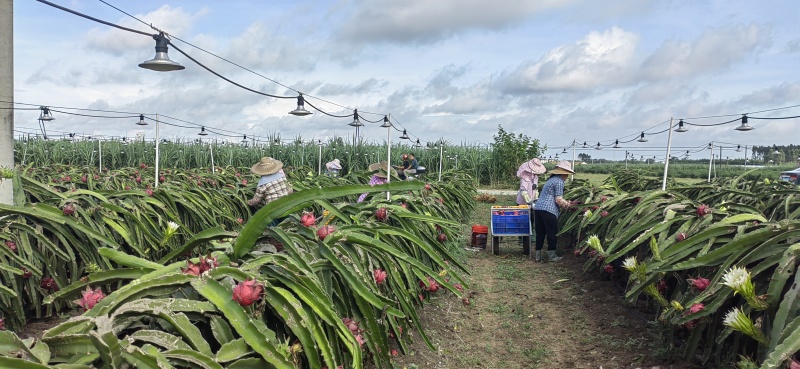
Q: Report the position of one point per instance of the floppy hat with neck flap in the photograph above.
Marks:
(563, 167)
(379, 169)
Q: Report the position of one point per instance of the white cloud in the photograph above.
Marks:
(601, 59)
(715, 50)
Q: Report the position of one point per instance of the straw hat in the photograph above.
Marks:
(266, 166)
(563, 167)
(334, 164)
(533, 166)
(379, 169)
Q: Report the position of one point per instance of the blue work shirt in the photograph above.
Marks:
(553, 188)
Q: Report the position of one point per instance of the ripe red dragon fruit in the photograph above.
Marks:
(703, 210)
(96, 177)
(442, 237)
(84, 179)
(240, 220)
(381, 214)
(192, 268)
(149, 192)
(465, 301)
(11, 245)
(324, 231)
(695, 308)
(608, 269)
(68, 209)
(351, 325)
(459, 287)
(26, 273)
(577, 253)
(247, 292)
(162, 179)
(594, 208)
(308, 220)
(603, 199)
(67, 179)
(604, 214)
(127, 188)
(700, 284)
(244, 182)
(143, 166)
(427, 187)
(138, 179)
(89, 298)
(681, 236)
(379, 275)
(394, 352)
(404, 205)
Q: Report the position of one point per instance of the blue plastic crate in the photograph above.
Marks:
(511, 221)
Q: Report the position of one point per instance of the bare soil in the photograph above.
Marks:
(524, 314)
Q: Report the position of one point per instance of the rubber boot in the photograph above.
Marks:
(537, 255)
(551, 256)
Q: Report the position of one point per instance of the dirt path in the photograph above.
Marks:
(525, 314)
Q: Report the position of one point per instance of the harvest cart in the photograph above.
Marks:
(511, 221)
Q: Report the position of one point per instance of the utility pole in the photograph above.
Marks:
(6, 94)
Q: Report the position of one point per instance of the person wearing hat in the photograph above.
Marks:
(333, 167)
(402, 168)
(379, 176)
(272, 185)
(528, 174)
(546, 210)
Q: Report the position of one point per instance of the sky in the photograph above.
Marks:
(555, 70)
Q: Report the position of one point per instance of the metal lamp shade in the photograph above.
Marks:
(141, 121)
(404, 136)
(301, 108)
(681, 128)
(161, 62)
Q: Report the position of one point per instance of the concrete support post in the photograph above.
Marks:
(6, 94)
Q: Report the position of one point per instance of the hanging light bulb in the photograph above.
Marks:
(141, 121)
(161, 62)
(386, 123)
(45, 114)
(301, 107)
(584, 144)
(202, 132)
(356, 122)
(564, 151)
(738, 148)
(776, 152)
(598, 147)
(418, 145)
(710, 145)
(744, 126)
(641, 138)
(616, 144)
(244, 139)
(404, 136)
(680, 127)
(319, 142)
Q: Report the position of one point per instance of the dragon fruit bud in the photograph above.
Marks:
(700, 284)
(703, 210)
(247, 292)
(379, 275)
(11, 245)
(308, 219)
(381, 214)
(49, 284)
(89, 298)
(608, 269)
(442, 237)
(681, 236)
(662, 286)
(324, 231)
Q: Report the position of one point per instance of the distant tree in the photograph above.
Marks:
(510, 150)
(584, 157)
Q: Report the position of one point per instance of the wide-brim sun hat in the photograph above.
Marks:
(563, 167)
(266, 166)
(533, 166)
(379, 169)
(334, 164)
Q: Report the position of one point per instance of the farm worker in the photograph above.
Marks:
(528, 174)
(333, 167)
(402, 168)
(546, 210)
(379, 176)
(412, 165)
(272, 185)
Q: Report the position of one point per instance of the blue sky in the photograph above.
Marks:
(555, 70)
